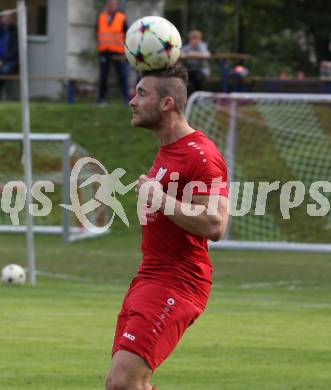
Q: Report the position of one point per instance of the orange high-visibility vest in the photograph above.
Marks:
(111, 36)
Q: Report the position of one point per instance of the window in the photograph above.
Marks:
(37, 15)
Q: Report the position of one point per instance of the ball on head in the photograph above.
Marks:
(152, 43)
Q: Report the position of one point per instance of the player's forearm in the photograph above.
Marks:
(204, 225)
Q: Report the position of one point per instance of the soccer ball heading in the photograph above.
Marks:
(152, 43)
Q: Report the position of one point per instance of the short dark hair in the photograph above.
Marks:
(172, 82)
(176, 71)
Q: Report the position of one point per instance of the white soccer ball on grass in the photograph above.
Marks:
(152, 43)
(13, 274)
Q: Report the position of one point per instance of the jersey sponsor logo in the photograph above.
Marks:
(161, 172)
(129, 336)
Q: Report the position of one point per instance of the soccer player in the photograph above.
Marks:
(173, 281)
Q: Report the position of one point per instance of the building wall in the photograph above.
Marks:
(80, 37)
(47, 54)
(71, 30)
(81, 31)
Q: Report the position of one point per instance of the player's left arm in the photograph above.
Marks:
(210, 221)
(211, 224)
(211, 203)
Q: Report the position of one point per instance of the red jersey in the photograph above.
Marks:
(171, 255)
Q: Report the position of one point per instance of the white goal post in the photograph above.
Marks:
(283, 139)
(53, 156)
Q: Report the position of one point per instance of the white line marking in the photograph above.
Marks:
(56, 275)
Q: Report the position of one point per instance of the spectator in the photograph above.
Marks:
(195, 56)
(8, 45)
(110, 35)
(283, 75)
(238, 74)
(240, 70)
(301, 75)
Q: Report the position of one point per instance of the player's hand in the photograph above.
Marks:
(142, 179)
(155, 190)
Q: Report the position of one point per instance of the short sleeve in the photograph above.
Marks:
(208, 167)
(204, 48)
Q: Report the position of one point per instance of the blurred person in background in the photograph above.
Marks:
(283, 75)
(238, 74)
(195, 56)
(301, 75)
(8, 45)
(110, 36)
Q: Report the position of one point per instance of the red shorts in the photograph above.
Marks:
(152, 320)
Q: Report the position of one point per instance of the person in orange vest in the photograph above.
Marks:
(110, 36)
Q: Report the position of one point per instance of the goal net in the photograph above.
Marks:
(53, 156)
(278, 151)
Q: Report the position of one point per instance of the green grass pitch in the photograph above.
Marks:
(267, 325)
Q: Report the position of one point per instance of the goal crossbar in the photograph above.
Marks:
(35, 137)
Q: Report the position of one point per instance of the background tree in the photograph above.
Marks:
(279, 34)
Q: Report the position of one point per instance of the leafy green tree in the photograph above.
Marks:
(279, 34)
(313, 18)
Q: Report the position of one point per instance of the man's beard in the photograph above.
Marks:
(148, 121)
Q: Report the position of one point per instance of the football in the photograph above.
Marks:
(152, 43)
(13, 274)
